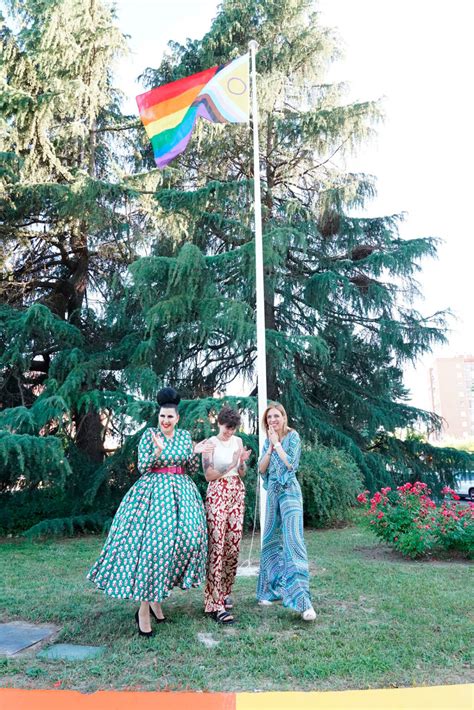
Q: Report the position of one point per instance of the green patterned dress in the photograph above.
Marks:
(158, 538)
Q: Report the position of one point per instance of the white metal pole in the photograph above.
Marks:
(259, 283)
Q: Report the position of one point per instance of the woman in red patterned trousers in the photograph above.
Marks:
(224, 469)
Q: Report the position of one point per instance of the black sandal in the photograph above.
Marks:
(228, 603)
(222, 617)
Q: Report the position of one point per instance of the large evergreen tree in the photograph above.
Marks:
(73, 218)
(116, 277)
(79, 357)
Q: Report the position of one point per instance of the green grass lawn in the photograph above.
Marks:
(382, 621)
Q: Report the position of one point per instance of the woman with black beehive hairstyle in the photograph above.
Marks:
(158, 538)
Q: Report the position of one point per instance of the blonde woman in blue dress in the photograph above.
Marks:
(158, 538)
(284, 573)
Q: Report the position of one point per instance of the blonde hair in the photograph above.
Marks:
(281, 409)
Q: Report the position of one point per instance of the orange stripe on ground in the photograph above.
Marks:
(19, 699)
(446, 697)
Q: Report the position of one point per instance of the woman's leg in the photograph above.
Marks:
(233, 533)
(157, 610)
(144, 620)
(271, 558)
(296, 575)
(216, 513)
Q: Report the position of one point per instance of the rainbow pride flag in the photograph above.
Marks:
(169, 112)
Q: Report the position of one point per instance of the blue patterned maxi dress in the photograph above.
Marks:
(284, 570)
(158, 538)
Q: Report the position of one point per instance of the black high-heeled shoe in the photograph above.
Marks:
(158, 621)
(142, 633)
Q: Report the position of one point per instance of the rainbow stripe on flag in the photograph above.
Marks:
(169, 112)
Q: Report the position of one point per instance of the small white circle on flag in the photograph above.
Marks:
(236, 86)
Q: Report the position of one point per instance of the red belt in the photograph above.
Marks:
(169, 469)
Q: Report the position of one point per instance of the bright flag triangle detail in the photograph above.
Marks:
(169, 112)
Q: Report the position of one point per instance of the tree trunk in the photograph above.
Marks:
(89, 437)
(272, 385)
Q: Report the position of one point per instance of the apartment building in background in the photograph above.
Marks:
(452, 395)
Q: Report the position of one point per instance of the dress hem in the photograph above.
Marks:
(166, 595)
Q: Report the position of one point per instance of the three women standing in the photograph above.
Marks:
(158, 538)
(284, 572)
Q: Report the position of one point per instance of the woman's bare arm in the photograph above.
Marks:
(265, 460)
(210, 473)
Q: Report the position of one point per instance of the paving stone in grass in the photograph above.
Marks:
(15, 636)
(70, 652)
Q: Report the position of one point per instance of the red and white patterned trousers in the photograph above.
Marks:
(225, 515)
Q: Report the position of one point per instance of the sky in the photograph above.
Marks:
(415, 55)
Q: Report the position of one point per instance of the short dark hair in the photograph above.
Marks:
(228, 416)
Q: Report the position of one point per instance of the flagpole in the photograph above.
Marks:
(259, 283)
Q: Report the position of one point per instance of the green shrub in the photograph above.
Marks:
(73, 525)
(86, 490)
(22, 509)
(330, 481)
(454, 528)
(410, 521)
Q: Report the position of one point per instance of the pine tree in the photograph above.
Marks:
(79, 355)
(75, 213)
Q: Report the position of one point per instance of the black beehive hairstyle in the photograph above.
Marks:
(168, 395)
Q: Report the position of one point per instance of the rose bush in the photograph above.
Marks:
(411, 522)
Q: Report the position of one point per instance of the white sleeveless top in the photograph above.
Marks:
(225, 453)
